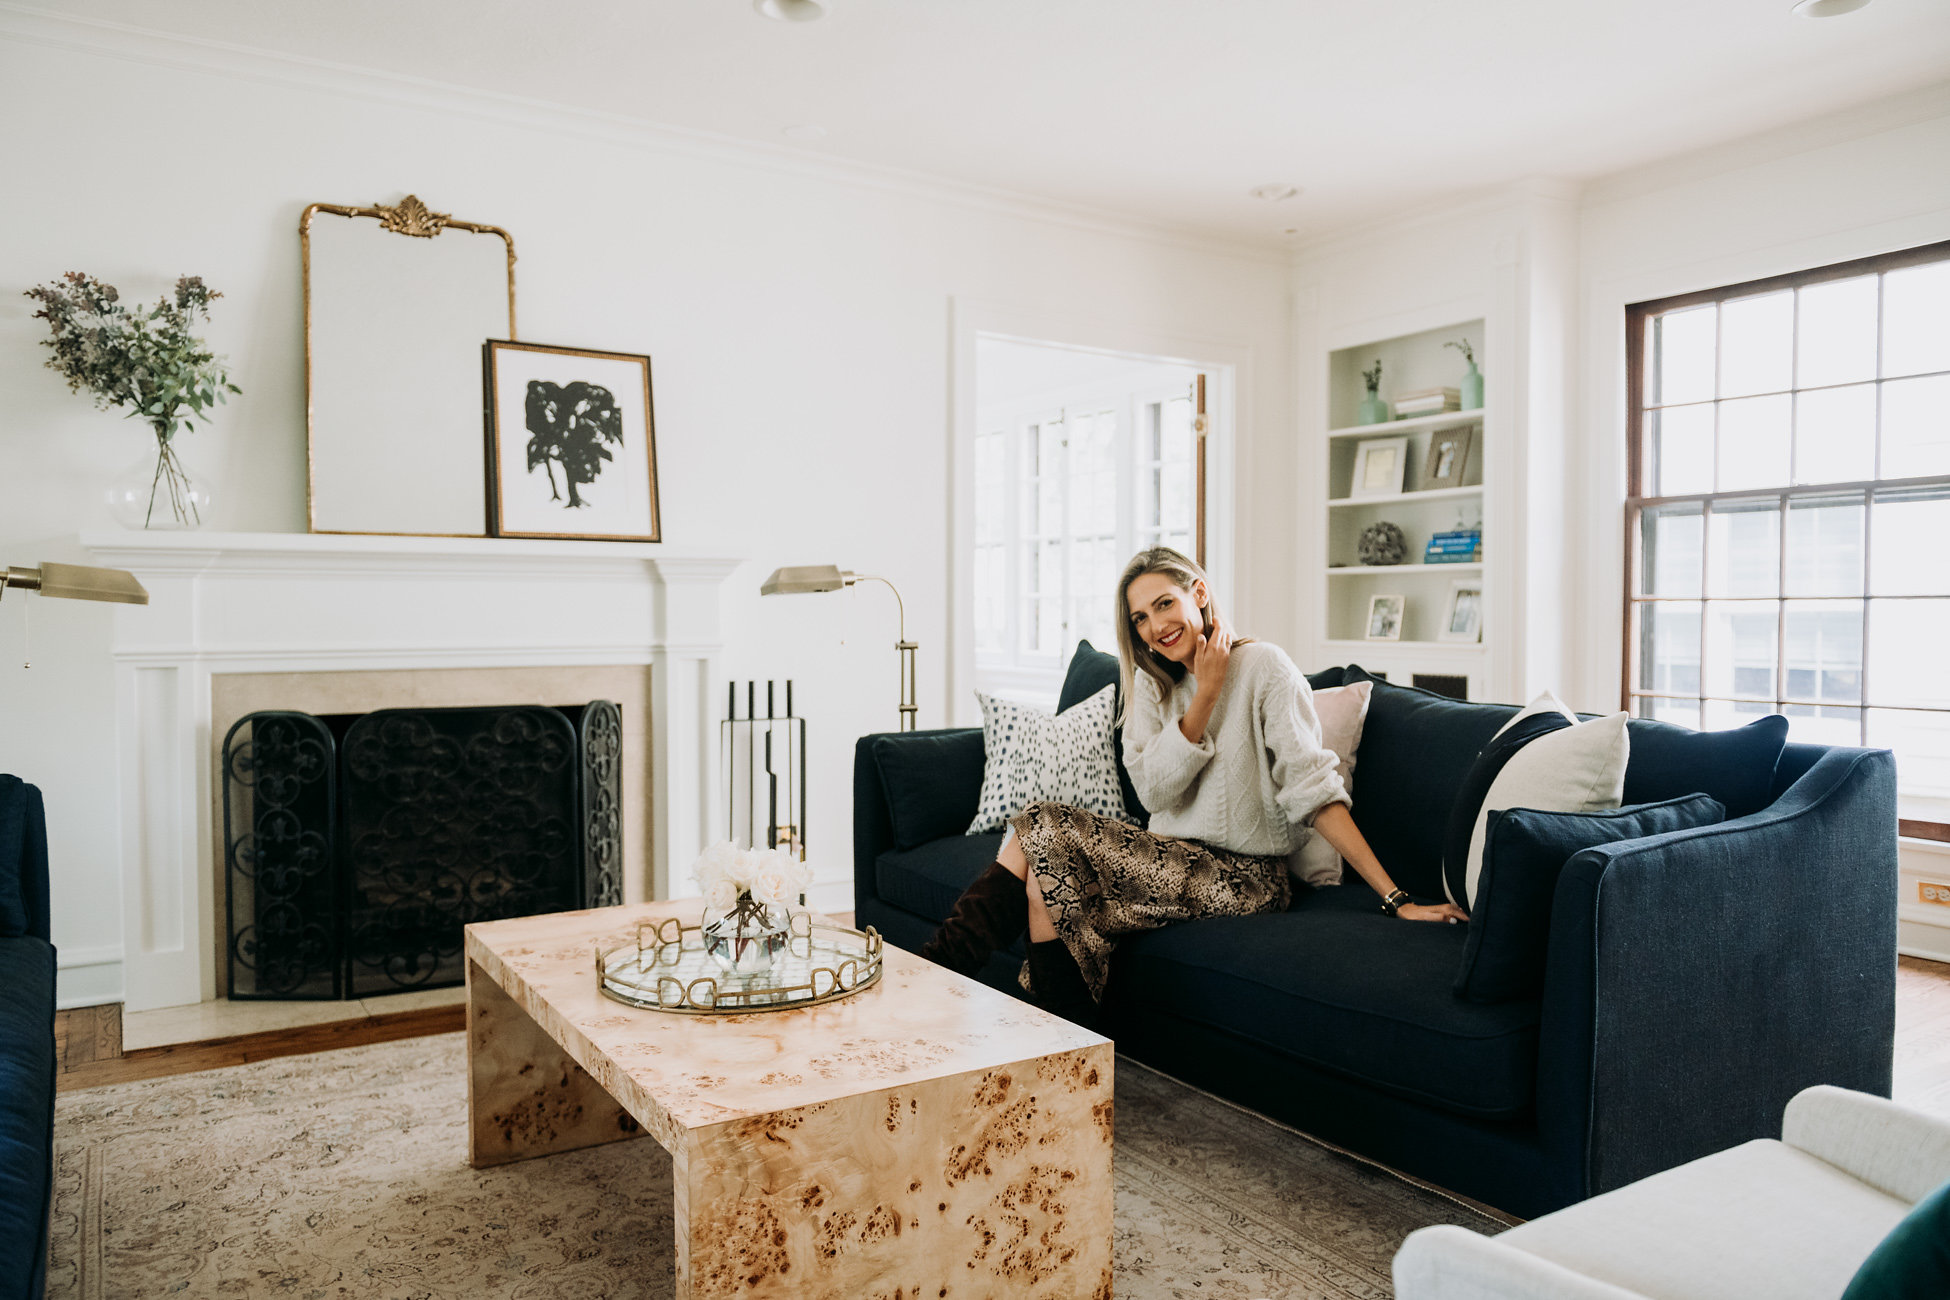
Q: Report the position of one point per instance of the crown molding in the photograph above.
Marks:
(1531, 194)
(30, 25)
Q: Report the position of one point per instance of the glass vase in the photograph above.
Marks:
(159, 492)
(1373, 410)
(1471, 388)
(746, 937)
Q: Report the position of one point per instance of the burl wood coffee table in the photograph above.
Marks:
(926, 1137)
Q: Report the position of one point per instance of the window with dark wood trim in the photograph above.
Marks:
(1788, 512)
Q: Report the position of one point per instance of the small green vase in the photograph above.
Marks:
(1471, 388)
(1373, 410)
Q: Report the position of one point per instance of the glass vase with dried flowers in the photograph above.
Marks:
(145, 359)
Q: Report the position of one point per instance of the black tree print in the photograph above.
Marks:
(570, 424)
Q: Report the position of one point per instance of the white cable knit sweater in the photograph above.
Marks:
(1255, 782)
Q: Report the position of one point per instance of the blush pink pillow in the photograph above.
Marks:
(1342, 710)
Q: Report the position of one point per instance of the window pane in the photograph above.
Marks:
(1681, 356)
(1681, 444)
(1757, 345)
(1724, 715)
(1684, 713)
(1916, 319)
(991, 598)
(1754, 443)
(1177, 434)
(1837, 336)
(1175, 510)
(1922, 745)
(1835, 435)
(1827, 725)
(1908, 531)
(1669, 655)
(1670, 538)
(1916, 427)
(1824, 650)
(1744, 553)
(1740, 641)
(1906, 652)
(1824, 541)
(1048, 626)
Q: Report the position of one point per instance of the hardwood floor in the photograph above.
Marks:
(88, 1040)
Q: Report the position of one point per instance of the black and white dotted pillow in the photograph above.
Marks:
(1033, 756)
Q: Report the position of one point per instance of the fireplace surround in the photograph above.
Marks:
(366, 623)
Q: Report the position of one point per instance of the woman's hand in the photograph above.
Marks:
(1432, 912)
(1211, 656)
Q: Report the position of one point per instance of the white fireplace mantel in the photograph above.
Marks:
(305, 602)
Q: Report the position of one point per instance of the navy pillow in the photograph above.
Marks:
(1090, 671)
(1524, 851)
(1476, 787)
(1736, 766)
(1913, 1260)
(1416, 748)
(23, 859)
(1327, 678)
(933, 781)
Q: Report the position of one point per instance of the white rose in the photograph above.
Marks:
(773, 884)
(721, 895)
(712, 865)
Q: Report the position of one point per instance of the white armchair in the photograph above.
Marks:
(1768, 1220)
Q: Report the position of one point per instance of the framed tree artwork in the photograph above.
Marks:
(571, 443)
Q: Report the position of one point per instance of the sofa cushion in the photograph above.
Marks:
(1336, 983)
(1090, 671)
(926, 880)
(931, 779)
(1467, 811)
(1036, 757)
(1416, 747)
(26, 1108)
(23, 860)
(1735, 766)
(1913, 1260)
(1524, 850)
(1578, 768)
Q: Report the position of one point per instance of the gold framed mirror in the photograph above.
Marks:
(398, 301)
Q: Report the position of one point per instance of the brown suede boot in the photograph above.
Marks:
(987, 917)
(1058, 986)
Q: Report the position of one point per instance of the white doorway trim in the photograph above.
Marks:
(1227, 361)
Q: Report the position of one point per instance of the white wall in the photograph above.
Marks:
(798, 317)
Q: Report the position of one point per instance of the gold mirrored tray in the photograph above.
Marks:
(668, 969)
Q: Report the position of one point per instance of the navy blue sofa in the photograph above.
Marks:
(26, 1043)
(1696, 980)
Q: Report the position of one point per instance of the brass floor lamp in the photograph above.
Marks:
(75, 582)
(795, 579)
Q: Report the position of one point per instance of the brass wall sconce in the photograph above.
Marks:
(796, 579)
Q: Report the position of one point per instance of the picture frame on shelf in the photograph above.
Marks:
(1385, 616)
(1462, 613)
(571, 443)
(1380, 467)
(1448, 457)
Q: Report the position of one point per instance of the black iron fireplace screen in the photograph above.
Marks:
(356, 847)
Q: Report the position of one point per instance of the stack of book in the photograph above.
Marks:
(1427, 401)
(1460, 546)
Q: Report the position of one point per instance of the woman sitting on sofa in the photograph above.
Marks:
(1224, 748)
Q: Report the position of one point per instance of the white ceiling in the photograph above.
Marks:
(1166, 111)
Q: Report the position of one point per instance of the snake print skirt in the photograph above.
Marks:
(1103, 878)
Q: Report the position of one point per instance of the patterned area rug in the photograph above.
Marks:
(345, 1174)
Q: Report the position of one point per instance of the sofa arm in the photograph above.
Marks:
(1451, 1263)
(1891, 1148)
(873, 822)
(1699, 980)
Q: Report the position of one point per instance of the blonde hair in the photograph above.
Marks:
(1132, 654)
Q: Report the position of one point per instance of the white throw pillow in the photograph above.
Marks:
(1032, 756)
(1343, 711)
(1578, 769)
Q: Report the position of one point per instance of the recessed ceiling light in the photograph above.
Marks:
(1276, 192)
(1827, 8)
(791, 11)
(804, 132)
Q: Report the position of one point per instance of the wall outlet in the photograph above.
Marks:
(1931, 892)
